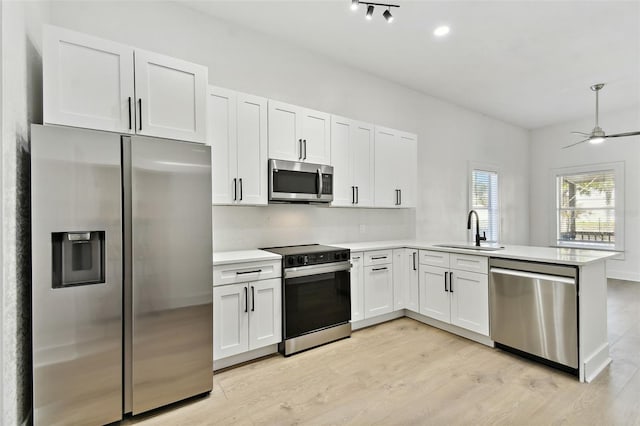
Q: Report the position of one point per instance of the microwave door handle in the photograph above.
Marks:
(319, 183)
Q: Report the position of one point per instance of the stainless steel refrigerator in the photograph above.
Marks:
(121, 274)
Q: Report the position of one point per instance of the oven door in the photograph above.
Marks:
(316, 297)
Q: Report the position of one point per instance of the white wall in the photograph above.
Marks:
(546, 154)
(21, 105)
(243, 60)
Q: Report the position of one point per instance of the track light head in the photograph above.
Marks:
(369, 15)
(355, 4)
(388, 16)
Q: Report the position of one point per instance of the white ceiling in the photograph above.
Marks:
(529, 63)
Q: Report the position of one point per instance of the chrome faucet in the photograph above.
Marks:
(478, 237)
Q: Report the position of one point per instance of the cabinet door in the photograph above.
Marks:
(285, 140)
(378, 290)
(170, 97)
(252, 149)
(357, 287)
(434, 299)
(362, 151)
(221, 132)
(316, 137)
(470, 301)
(386, 175)
(408, 168)
(230, 320)
(400, 283)
(265, 313)
(342, 160)
(87, 81)
(412, 278)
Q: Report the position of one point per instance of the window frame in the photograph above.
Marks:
(619, 174)
(491, 168)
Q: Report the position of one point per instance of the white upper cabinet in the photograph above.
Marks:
(170, 96)
(298, 134)
(352, 158)
(395, 168)
(89, 82)
(237, 132)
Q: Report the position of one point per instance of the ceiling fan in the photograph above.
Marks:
(597, 135)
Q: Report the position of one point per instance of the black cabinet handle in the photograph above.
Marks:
(300, 151)
(246, 302)
(353, 195)
(400, 197)
(357, 195)
(451, 282)
(379, 269)
(446, 274)
(235, 189)
(129, 112)
(240, 188)
(305, 149)
(253, 299)
(140, 106)
(378, 257)
(414, 260)
(257, 271)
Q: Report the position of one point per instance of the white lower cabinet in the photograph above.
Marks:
(455, 296)
(357, 287)
(405, 279)
(246, 316)
(378, 290)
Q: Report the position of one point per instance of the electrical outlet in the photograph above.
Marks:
(363, 228)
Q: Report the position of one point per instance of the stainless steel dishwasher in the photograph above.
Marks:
(533, 310)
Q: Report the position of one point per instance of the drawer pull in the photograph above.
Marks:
(378, 257)
(379, 269)
(257, 271)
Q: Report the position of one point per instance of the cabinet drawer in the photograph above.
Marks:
(434, 258)
(465, 262)
(379, 257)
(247, 271)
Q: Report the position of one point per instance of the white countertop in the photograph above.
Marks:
(240, 256)
(565, 256)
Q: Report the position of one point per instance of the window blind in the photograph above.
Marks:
(484, 200)
(586, 208)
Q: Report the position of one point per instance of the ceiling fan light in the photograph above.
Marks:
(596, 140)
(355, 4)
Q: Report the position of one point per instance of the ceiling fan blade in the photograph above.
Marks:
(574, 144)
(582, 133)
(621, 135)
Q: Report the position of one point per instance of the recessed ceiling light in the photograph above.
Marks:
(441, 31)
(369, 14)
(355, 4)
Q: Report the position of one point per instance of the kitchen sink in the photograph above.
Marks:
(471, 246)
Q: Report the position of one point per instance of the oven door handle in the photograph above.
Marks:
(305, 271)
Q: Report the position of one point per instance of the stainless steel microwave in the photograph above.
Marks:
(298, 182)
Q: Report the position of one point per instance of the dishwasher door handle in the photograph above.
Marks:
(533, 275)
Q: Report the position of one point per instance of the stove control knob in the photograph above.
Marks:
(301, 260)
(345, 256)
(290, 261)
(337, 256)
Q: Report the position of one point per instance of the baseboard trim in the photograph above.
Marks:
(596, 362)
(467, 334)
(357, 325)
(244, 357)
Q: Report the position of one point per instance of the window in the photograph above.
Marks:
(484, 200)
(589, 206)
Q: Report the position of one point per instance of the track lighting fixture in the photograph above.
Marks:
(369, 14)
(371, 7)
(387, 15)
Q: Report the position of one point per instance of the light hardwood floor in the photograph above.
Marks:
(404, 372)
